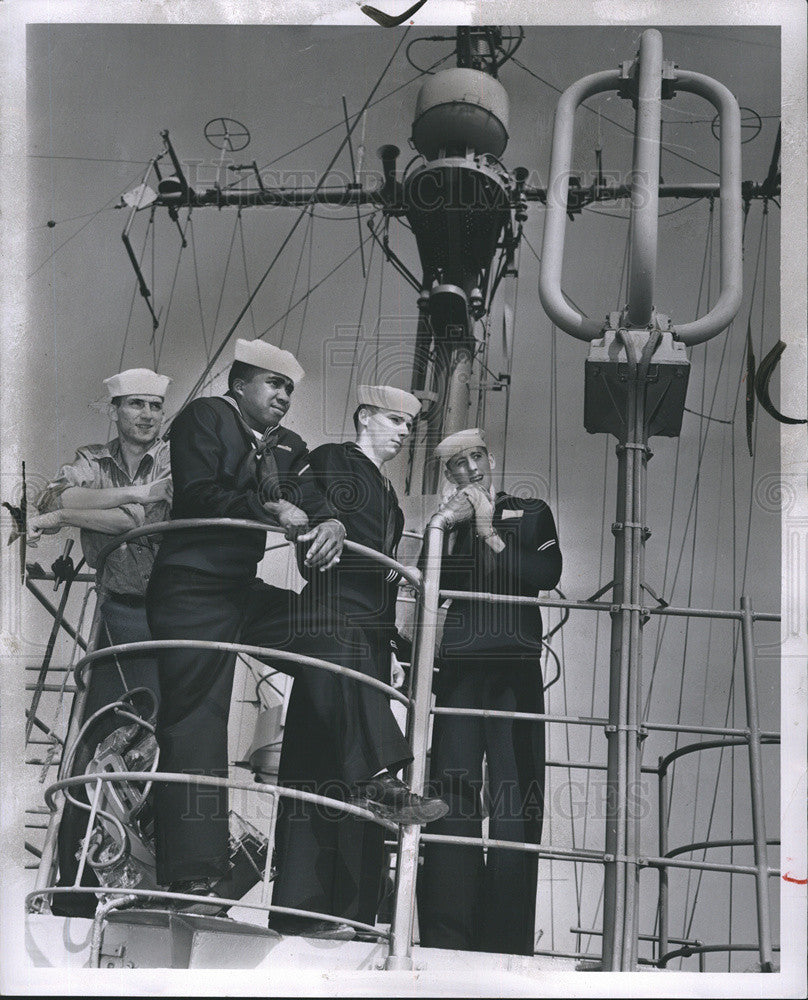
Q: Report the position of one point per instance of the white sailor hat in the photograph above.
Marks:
(388, 397)
(471, 437)
(137, 382)
(273, 359)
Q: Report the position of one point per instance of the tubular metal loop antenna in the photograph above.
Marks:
(644, 196)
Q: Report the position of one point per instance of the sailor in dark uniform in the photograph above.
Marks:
(230, 457)
(489, 658)
(330, 863)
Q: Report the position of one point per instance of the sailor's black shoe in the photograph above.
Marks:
(389, 798)
(195, 887)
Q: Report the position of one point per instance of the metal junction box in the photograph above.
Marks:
(606, 381)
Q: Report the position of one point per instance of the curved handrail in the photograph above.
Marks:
(688, 748)
(234, 647)
(703, 845)
(410, 573)
(174, 778)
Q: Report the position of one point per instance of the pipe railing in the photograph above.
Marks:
(429, 596)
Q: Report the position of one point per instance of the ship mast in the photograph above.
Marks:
(635, 386)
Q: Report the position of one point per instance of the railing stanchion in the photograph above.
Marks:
(47, 862)
(664, 942)
(266, 889)
(756, 779)
(423, 658)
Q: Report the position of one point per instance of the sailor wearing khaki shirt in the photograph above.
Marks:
(106, 490)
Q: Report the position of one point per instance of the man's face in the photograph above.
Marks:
(138, 418)
(388, 430)
(471, 467)
(264, 399)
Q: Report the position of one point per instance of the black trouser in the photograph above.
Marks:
(328, 861)
(123, 619)
(466, 901)
(192, 822)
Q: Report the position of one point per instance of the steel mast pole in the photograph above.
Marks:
(623, 762)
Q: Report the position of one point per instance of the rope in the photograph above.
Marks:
(296, 223)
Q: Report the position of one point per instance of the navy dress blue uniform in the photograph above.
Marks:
(204, 587)
(489, 658)
(330, 862)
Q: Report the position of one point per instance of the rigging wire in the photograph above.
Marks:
(109, 203)
(555, 478)
(302, 299)
(171, 293)
(358, 335)
(246, 272)
(296, 223)
(153, 335)
(662, 215)
(224, 277)
(52, 223)
(134, 292)
(199, 292)
(294, 279)
(509, 361)
(704, 429)
(567, 297)
(379, 316)
(614, 121)
(662, 626)
(730, 708)
(308, 281)
(341, 123)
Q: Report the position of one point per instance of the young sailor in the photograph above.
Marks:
(332, 863)
(489, 658)
(108, 489)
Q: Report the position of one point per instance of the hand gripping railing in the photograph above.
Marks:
(645, 198)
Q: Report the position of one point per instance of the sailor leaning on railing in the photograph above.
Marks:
(108, 489)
